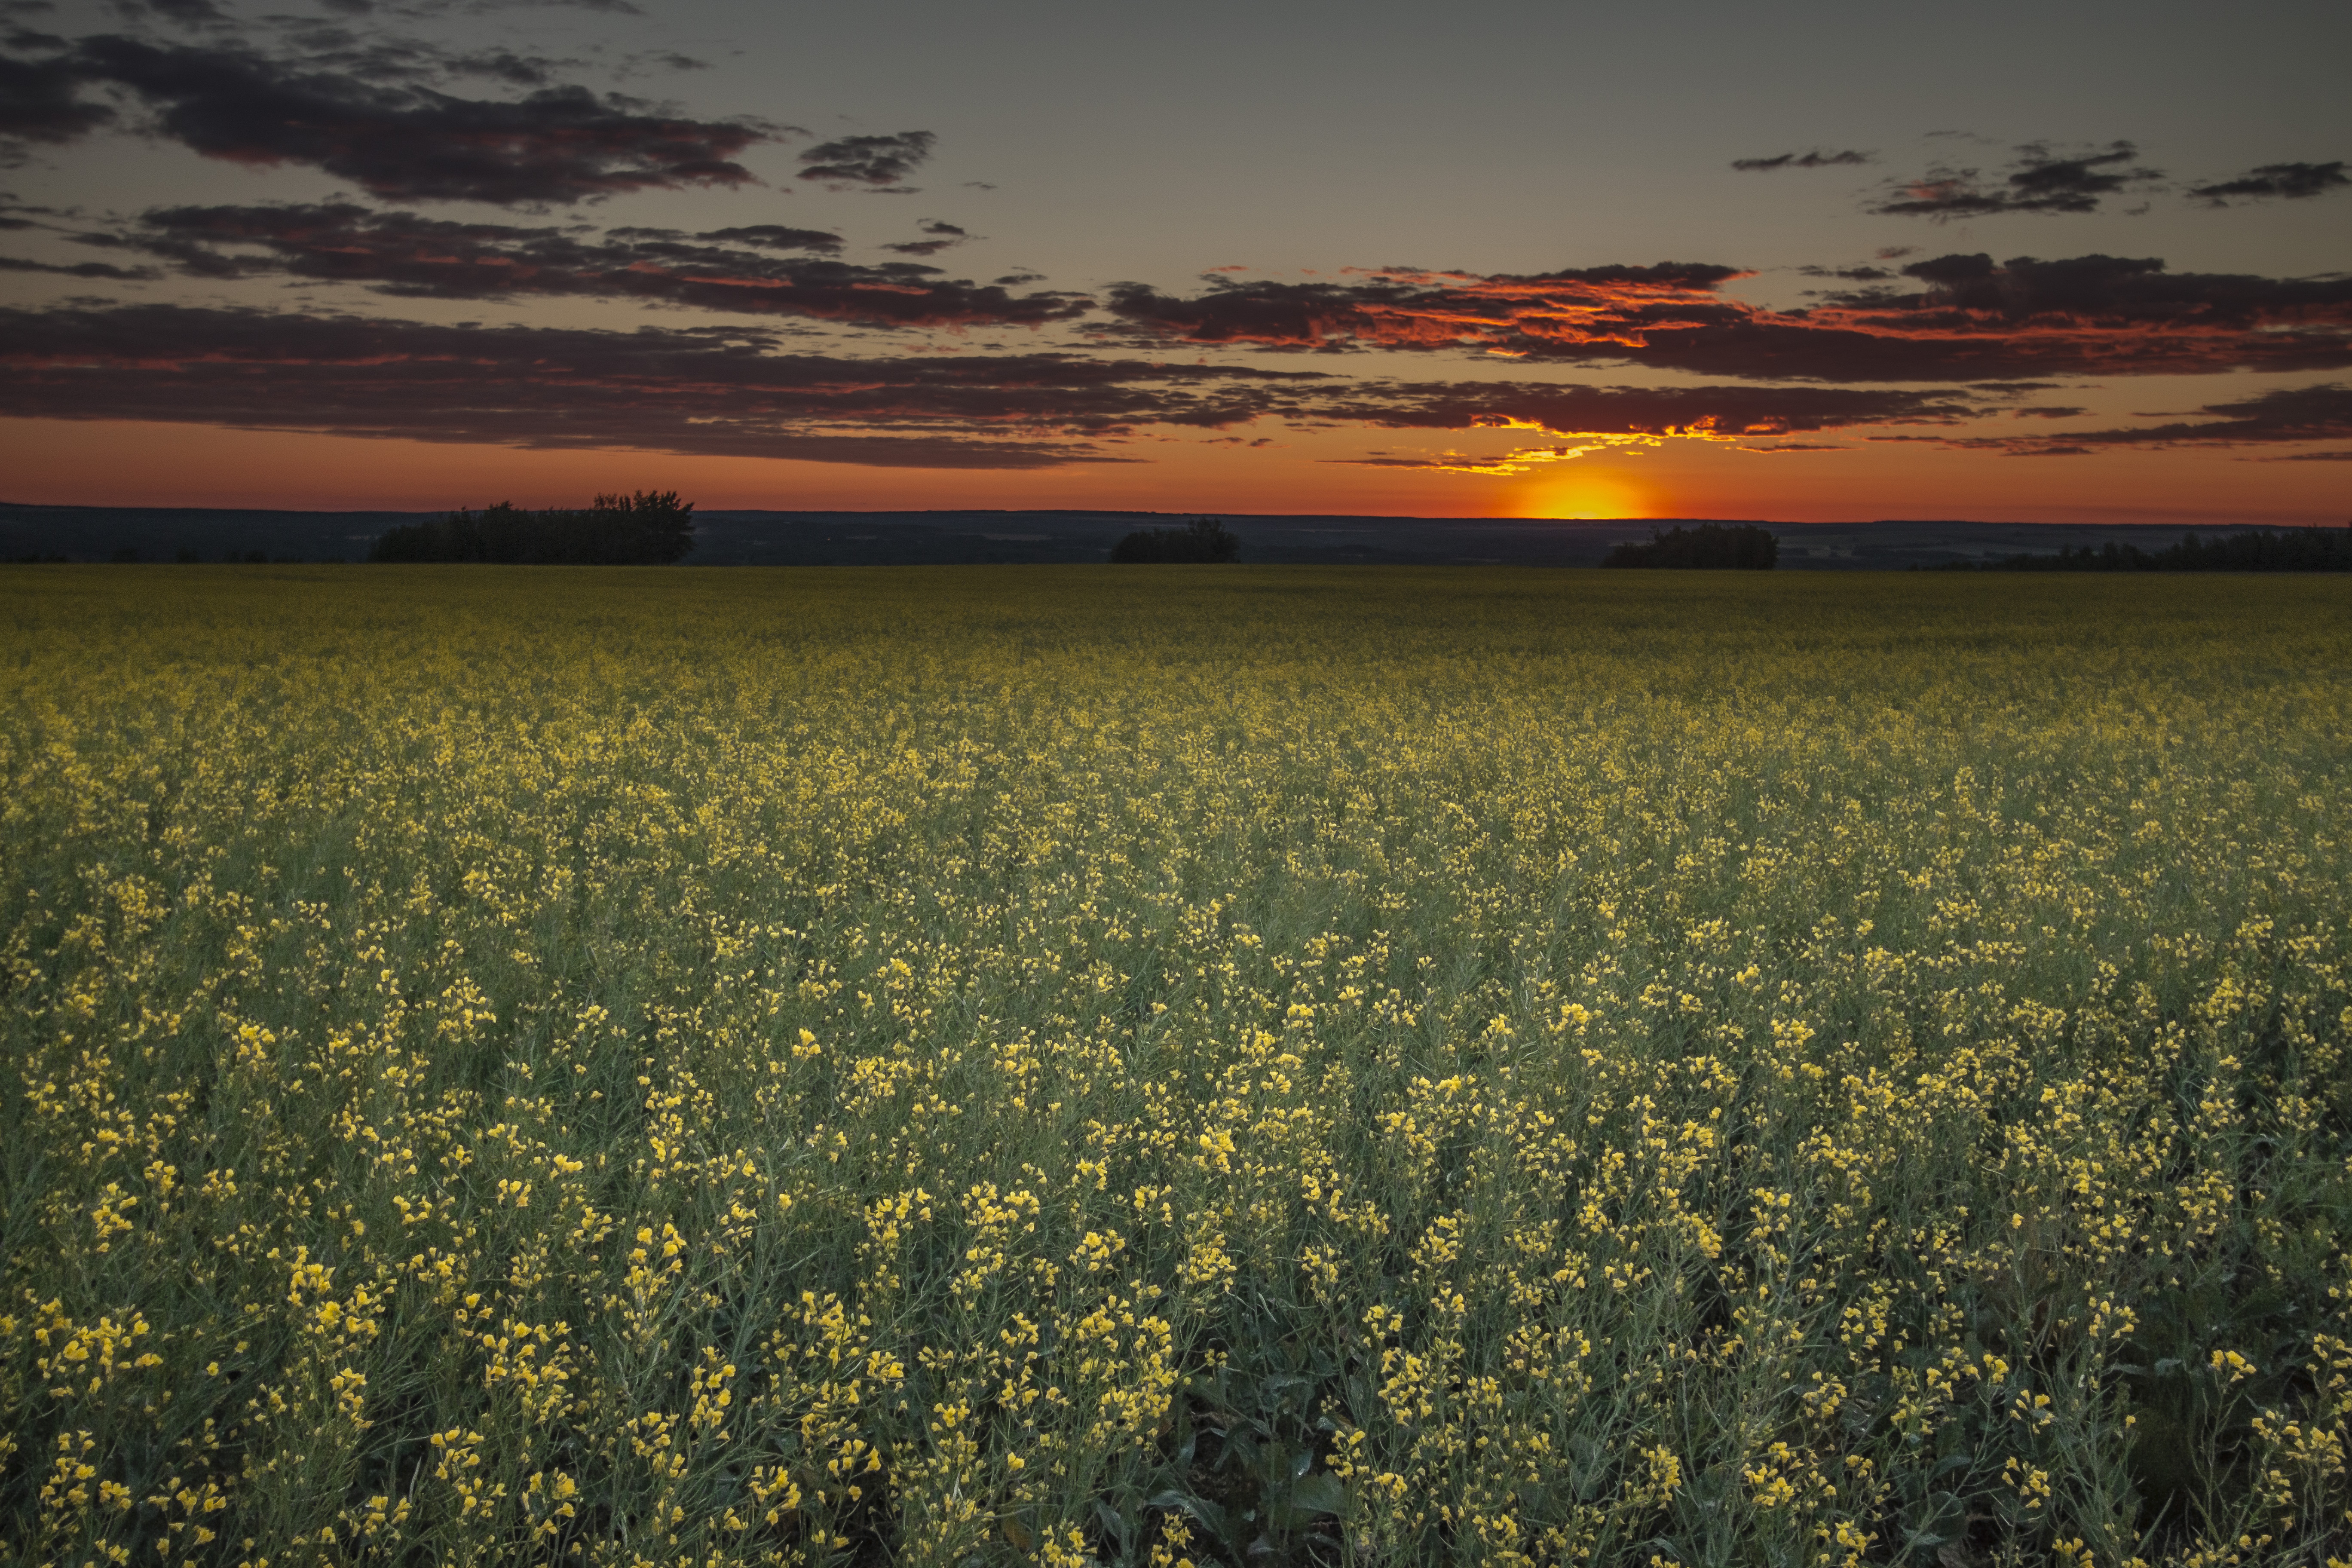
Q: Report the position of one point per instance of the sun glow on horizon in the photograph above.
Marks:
(1586, 497)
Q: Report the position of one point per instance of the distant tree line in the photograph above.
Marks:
(2289, 550)
(1709, 547)
(1201, 539)
(645, 528)
(129, 555)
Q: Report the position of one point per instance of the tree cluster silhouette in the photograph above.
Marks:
(2289, 550)
(1201, 539)
(1711, 546)
(646, 529)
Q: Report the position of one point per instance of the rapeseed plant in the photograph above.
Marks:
(1289, 1066)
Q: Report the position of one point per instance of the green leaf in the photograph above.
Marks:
(1321, 1493)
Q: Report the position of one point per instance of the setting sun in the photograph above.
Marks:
(1585, 496)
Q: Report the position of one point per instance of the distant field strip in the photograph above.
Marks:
(1251, 1065)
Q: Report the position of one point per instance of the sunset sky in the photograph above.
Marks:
(1802, 262)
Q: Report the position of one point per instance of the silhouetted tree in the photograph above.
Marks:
(2288, 550)
(1712, 547)
(645, 529)
(1201, 539)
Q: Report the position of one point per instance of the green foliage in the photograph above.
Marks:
(643, 529)
(1038, 1066)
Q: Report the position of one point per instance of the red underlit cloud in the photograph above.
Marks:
(706, 391)
(1963, 318)
(729, 390)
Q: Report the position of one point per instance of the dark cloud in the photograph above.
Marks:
(707, 391)
(40, 102)
(2089, 291)
(399, 140)
(2046, 411)
(92, 269)
(717, 390)
(2288, 415)
(2340, 457)
(407, 255)
(186, 13)
(945, 236)
(1963, 318)
(768, 235)
(2040, 181)
(1407, 307)
(1452, 463)
(505, 65)
(2294, 181)
(1815, 159)
(876, 161)
(13, 213)
(383, 60)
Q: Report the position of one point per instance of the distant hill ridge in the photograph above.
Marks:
(979, 536)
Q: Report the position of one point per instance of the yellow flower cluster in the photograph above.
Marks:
(1269, 1066)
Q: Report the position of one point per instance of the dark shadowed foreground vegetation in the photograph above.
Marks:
(1254, 1067)
(1709, 547)
(640, 530)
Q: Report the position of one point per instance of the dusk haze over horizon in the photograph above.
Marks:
(1818, 262)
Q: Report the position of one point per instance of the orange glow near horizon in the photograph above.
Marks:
(138, 464)
(1580, 496)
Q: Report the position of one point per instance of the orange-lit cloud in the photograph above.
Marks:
(715, 390)
(1517, 460)
(1965, 318)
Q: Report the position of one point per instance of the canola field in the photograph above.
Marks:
(1159, 1065)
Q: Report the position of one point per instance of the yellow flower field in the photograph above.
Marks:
(1225, 1064)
